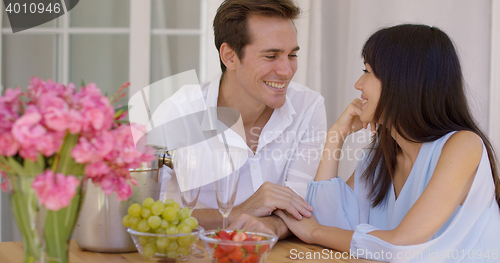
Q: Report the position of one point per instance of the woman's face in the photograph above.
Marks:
(371, 88)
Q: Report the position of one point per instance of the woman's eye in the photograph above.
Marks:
(366, 71)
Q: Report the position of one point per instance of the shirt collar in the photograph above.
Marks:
(279, 121)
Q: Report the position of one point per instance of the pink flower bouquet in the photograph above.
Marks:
(55, 132)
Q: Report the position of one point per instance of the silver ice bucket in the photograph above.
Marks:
(99, 227)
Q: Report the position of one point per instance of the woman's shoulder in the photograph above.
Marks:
(464, 141)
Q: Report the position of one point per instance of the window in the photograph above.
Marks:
(93, 43)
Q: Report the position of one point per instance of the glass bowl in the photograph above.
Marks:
(164, 247)
(254, 249)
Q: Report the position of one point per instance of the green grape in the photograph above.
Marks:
(175, 221)
(185, 240)
(149, 250)
(172, 230)
(135, 210)
(184, 213)
(161, 251)
(185, 251)
(176, 206)
(162, 243)
(169, 202)
(184, 228)
(143, 225)
(164, 224)
(169, 213)
(152, 240)
(154, 222)
(172, 254)
(172, 246)
(143, 240)
(159, 231)
(146, 213)
(157, 208)
(125, 221)
(148, 202)
(133, 221)
(191, 222)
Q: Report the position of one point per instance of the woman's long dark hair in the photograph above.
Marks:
(422, 97)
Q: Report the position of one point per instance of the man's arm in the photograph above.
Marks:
(308, 149)
(212, 219)
(268, 224)
(208, 218)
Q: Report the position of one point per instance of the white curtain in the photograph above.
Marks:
(345, 26)
(331, 34)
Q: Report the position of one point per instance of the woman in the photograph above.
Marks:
(427, 187)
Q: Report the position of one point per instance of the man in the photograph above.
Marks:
(284, 122)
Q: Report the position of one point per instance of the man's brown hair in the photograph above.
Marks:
(230, 22)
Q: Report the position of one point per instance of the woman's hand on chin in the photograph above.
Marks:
(350, 122)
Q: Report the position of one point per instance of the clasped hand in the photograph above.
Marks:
(270, 197)
(255, 213)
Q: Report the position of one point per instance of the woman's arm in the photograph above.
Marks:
(448, 187)
(347, 123)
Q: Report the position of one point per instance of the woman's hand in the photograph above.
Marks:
(349, 122)
(303, 228)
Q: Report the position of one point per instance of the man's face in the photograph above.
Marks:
(269, 61)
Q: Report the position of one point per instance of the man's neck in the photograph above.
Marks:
(253, 114)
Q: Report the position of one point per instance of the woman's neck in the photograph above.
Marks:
(409, 150)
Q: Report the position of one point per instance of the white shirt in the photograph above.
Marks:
(289, 148)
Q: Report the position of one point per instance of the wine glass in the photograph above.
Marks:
(226, 164)
(188, 163)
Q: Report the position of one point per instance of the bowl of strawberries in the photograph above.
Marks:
(225, 246)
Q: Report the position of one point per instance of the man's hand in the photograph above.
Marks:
(270, 197)
(272, 225)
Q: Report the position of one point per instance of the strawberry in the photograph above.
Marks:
(226, 248)
(224, 235)
(253, 258)
(249, 248)
(263, 248)
(218, 253)
(237, 254)
(239, 236)
(223, 260)
(255, 237)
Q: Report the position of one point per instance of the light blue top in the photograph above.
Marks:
(472, 234)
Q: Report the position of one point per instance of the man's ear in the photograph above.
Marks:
(228, 56)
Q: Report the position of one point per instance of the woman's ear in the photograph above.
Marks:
(228, 56)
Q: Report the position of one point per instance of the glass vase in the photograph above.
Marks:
(29, 216)
(45, 233)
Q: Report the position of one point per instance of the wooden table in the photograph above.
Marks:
(288, 250)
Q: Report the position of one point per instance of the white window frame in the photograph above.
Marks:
(494, 121)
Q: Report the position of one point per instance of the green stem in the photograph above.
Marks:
(24, 207)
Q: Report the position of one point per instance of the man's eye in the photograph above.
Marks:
(293, 55)
(271, 56)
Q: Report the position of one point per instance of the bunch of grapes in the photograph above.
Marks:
(162, 218)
